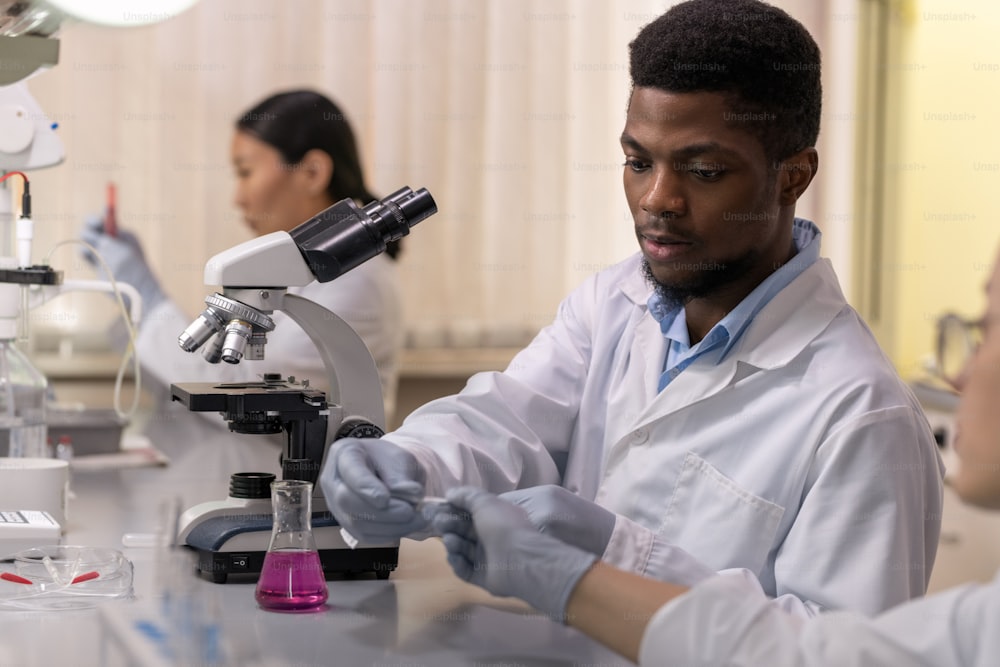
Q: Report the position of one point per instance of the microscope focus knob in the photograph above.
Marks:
(358, 428)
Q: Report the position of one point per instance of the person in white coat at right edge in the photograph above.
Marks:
(711, 403)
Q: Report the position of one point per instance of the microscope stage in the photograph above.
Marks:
(243, 397)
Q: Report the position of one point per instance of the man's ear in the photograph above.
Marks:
(795, 173)
(315, 169)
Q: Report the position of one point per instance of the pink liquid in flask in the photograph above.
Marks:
(291, 580)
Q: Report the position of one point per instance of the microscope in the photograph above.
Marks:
(231, 536)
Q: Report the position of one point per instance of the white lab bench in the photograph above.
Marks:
(421, 615)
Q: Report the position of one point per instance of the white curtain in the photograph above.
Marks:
(508, 111)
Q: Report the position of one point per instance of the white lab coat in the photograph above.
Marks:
(801, 457)
(367, 298)
(729, 621)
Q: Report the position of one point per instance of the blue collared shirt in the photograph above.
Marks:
(721, 338)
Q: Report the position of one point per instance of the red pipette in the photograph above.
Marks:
(110, 215)
(86, 576)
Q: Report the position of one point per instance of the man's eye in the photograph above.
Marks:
(709, 172)
(636, 165)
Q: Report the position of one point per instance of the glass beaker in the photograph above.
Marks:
(292, 577)
(22, 404)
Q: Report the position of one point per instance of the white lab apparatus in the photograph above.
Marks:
(27, 141)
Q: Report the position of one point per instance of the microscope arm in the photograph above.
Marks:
(351, 373)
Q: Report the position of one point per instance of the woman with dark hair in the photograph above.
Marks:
(294, 154)
(295, 124)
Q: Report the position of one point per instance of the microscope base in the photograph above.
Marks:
(218, 565)
(231, 537)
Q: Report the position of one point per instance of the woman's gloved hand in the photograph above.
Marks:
(566, 516)
(123, 255)
(493, 544)
(372, 487)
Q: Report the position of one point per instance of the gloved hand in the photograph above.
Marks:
(493, 544)
(566, 516)
(372, 488)
(123, 255)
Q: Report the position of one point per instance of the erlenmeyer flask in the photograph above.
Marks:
(292, 577)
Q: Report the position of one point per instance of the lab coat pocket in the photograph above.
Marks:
(734, 528)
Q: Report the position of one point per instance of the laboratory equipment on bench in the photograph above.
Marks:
(23, 388)
(231, 536)
(65, 577)
(26, 528)
(292, 578)
(29, 44)
(23, 286)
(27, 141)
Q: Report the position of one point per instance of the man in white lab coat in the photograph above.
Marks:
(727, 619)
(712, 402)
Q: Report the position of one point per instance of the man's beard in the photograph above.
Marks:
(702, 283)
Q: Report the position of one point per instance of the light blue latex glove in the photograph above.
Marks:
(124, 256)
(372, 487)
(566, 516)
(493, 544)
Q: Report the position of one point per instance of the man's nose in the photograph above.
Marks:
(664, 197)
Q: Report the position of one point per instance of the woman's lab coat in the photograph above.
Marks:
(801, 457)
(729, 621)
(367, 298)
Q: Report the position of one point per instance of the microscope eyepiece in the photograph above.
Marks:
(416, 207)
(345, 235)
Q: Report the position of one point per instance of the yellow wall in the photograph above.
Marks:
(944, 170)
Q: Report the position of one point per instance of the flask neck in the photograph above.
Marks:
(291, 501)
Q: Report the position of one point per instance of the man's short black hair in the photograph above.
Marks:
(765, 61)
